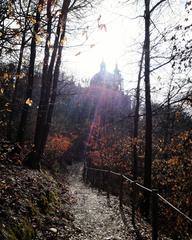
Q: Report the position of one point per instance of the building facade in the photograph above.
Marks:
(108, 80)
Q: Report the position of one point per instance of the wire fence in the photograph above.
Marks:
(102, 179)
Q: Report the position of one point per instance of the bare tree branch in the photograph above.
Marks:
(156, 5)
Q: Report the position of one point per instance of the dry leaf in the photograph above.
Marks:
(29, 102)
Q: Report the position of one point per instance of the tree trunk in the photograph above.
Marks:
(14, 97)
(46, 110)
(136, 120)
(148, 128)
(29, 91)
(54, 91)
(47, 78)
(52, 101)
(167, 136)
(33, 160)
(18, 75)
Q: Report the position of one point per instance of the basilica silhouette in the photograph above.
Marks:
(108, 80)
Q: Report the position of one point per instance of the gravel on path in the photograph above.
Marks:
(95, 218)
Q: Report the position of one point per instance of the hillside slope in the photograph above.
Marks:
(33, 205)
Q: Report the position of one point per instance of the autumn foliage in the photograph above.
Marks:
(110, 149)
(56, 146)
(173, 179)
(109, 153)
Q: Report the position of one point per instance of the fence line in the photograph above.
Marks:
(154, 197)
(176, 209)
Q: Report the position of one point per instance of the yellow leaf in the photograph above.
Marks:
(10, 9)
(22, 75)
(40, 8)
(63, 41)
(6, 76)
(29, 102)
(32, 20)
(2, 90)
(38, 39)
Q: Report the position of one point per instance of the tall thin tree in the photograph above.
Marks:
(49, 77)
(18, 73)
(29, 90)
(148, 108)
(136, 118)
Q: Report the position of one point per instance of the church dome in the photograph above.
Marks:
(106, 79)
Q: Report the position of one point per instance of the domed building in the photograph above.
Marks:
(105, 79)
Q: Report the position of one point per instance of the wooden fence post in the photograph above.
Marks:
(121, 191)
(85, 174)
(133, 202)
(93, 177)
(154, 209)
(108, 186)
(103, 180)
(99, 181)
(88, 175)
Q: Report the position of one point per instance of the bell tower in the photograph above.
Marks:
(102, 67)
(118, 80)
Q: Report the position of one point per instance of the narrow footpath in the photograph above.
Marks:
(94, 217)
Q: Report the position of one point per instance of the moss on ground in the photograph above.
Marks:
(19, 231)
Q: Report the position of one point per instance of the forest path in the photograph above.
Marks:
(94, 217)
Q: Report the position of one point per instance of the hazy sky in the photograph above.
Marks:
(110, 45)
(120, 43)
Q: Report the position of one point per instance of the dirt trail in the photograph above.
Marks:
(94, 218)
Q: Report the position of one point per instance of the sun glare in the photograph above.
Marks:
(104, 45)
(110, 44)
(118, 43)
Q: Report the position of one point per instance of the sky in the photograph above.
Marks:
(110, 44)
(118, 43)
